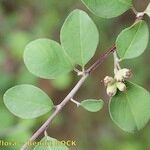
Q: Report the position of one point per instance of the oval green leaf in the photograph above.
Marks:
(27, 101)
(131, 110)
(79, 37)
(132, 41)
(92, 105)
(147, 11)
(46, 59)
(48, 143)
(108, 8)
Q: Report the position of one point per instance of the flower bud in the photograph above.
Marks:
(119, 77)
(111, 90)
(108, 80)
(121, 86)
(126, 73)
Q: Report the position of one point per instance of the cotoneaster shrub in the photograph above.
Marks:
(129, 104)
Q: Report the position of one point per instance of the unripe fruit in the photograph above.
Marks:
(121, 86)
(111, 90)
(108, 80)
(126, 73)
(119, 77)
(123, 74)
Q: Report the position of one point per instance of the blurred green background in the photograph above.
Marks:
(22, 21)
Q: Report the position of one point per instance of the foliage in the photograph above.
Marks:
(80, 49)
(27, 101)
(92, 105)
(46, 59)
(79, 38)
(132, 41)
(109, 9)
(130, 110)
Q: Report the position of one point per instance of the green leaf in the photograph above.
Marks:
(92, 105)
(48, 143)
(147, 11)
(131, 110)
(79, 37)
(108, 8)
(132, 41)
(27, 101)
(46, 59)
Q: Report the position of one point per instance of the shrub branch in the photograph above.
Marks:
(58, 108)
(70, 96)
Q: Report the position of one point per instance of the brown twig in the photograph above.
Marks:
(101, 59)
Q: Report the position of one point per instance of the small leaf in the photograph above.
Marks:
(48, 143)
(92, 105)
(147, 11)
(79, 37)
(132, 41)
(131, 110)
(109, 8)
(46, 59)
(27, 101)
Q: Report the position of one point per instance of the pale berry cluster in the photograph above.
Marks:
(117, 82)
